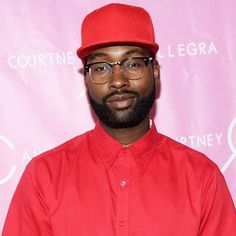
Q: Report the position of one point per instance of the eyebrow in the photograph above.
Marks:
(95, 55)
(128, 53)
(136, 51)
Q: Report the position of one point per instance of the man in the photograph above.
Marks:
(122, 178)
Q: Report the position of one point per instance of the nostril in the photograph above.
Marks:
(118, 80)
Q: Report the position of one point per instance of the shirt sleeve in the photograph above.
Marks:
(218, 215)
(28, 213)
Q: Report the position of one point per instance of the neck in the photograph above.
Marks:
(127, 136)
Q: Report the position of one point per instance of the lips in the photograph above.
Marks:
(121, 101)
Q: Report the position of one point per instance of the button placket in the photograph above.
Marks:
(123, 196)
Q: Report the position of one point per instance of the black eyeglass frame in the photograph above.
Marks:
(87, 67)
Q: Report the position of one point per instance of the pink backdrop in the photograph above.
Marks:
(42, 95)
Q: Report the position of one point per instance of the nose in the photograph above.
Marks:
(118, 80)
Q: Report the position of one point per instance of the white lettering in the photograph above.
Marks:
(22, 61)
(70, 58)
(198, 141)
(188, 49)
(32, 62)
(218, 137)
(181, 50)
(183, 140)
(26, 157)
(12, 64)
(201, 141)
(169, 51)
(192, 49)
(209, 139)
(50, 55)
(202, 48)
(212, 48)
(191, 140)
(41, 60)
(61, 58)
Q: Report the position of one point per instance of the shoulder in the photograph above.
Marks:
(180, 150)
(48, 172)
(193, 169)
(186, 158)
(58, 159)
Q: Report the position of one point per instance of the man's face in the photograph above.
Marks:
(121, 102)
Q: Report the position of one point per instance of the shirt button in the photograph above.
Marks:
(121, 223)
(123, 183)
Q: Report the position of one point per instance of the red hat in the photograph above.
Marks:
(116, 24)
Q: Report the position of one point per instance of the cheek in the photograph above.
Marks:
(97, 92)
(143, 86)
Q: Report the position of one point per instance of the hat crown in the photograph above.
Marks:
(116, 23)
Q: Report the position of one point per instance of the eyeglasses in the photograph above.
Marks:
(131, 68)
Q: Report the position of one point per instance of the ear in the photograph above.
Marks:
(156, 71)
(85, 79)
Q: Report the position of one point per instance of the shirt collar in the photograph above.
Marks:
(108, 148)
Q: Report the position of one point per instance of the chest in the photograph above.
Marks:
(126, 201)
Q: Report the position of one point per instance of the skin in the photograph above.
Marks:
(143, 86)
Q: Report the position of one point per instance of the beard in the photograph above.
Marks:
(124, 118)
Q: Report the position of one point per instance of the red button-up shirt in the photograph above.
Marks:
(94, 186)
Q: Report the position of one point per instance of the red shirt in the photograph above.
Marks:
(94, 186)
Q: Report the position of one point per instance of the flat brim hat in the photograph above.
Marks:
(117, 24)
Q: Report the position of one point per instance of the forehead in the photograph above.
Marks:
(117, 52)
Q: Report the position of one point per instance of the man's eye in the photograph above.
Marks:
(134, 65)
(100, 68)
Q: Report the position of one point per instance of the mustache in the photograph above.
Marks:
(118, 92)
